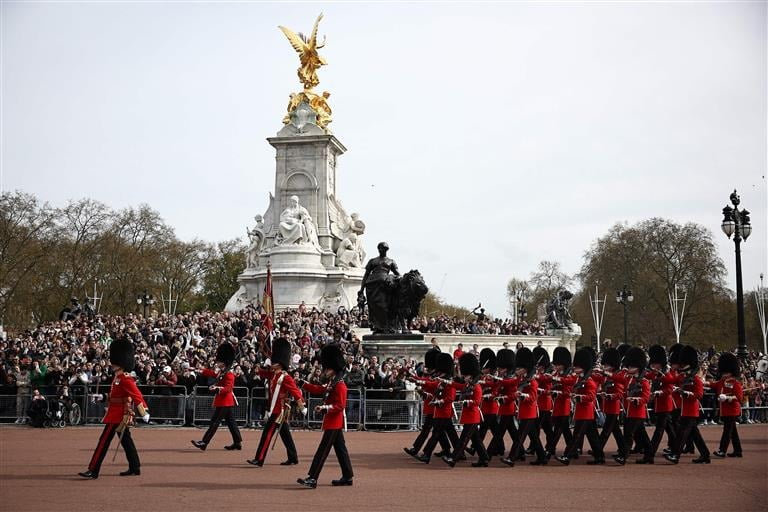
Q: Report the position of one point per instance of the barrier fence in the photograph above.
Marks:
(371, 409)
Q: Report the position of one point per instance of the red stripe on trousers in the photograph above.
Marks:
(270, 433)
(100, 447)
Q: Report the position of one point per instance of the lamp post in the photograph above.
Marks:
(736, 223)
(624, 297)
(145, 300)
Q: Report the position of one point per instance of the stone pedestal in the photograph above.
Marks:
(395, 345)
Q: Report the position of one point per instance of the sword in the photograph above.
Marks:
(279, 422)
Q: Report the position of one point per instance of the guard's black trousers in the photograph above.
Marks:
(634, 428)
(266, 440)
(506, 425)
(470, 432)
(730, 434)
(663, 424)
(561, 427)
(490, 423)
(675, 421)
(581, 429)
(332, 438)
(226, 414)
(441, 427)
(526, 428)
(612, 427)
(543, 423)
(105, 439)
(426, 428)
(689, 430)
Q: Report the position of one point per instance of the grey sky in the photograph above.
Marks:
(510, 133)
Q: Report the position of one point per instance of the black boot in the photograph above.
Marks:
(448, 460)
(289, 462)
(563, 460)
(596, 462)
(621, 460)
(423, 458)
(341, 481)
(735, 454)
(255, 462)
(701, 460)
(411, 452)
(234, 446)
(509, 462)
(130, 472)
(307, 482)
(89, 474)
(199, 444)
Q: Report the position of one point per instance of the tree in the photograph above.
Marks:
(219, 281)
(520, 291)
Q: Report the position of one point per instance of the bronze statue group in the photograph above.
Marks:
(126, 401)
(520, 395)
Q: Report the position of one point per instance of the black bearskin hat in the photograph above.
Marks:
(561, 355)
(540, 356)
(657, 354)
(622, 349)
(430, 357)
(281, 353)
(505, 358)
(728, 363)
(487, 359)
(225, 353)
(332, 357)
(444, 363)
(674, 353)
(468, 365)
(583, 359)
(524, 359)
(689, 356)
(121, 353)
(635, 358)
(612, 358)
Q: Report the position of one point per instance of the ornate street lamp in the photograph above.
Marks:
(145, 300)
(736, 223)
(624, 297)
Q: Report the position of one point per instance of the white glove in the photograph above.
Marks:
(658, 393)
(721, 397)
(523, 395)
(687, 393)
(145, 418)
(304, 411)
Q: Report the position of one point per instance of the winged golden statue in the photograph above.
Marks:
(307, 50)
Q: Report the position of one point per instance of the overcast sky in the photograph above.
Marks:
(481, 138)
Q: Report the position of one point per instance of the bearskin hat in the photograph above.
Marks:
(657, 355)
(332, 357)
(583, 359)
(689, 356)
(674, 353)
(505, 358)
(225, 353)
(540, 356)
(524, 359)
(612, 358)
(487, 359)
(468, 365)
(121, 353)
(281, 353)
(623, 349)
(635, 358)
(430, 357)
(728, 363)
(444, 363)
(561, 355)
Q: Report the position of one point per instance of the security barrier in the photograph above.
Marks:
(382, 414)
(166, 404)
(203, 405)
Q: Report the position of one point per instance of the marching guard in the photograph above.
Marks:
(427, 386)
(662, 381)
(729, 393)
(224, 401)
(282, 389)
(637, 396)
(335, 420)
(123, 396)
(545, 403)
(563, 380)
(442, 418)
(506, 396)
(612, 382)
(490, 385)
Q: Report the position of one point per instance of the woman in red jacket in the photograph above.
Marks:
(584, 393)
(335, 420)
(528, 410)
(224, 401)
(123, 396)
(730, 393)
(470, 398)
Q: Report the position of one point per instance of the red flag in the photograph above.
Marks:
(268, 303)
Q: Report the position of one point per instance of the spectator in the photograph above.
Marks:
(458, 352)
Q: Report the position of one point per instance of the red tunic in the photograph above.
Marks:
(287, 387)
(729, 387)
(661, 390)
(123, 387)
(447, 395)
(529, 408)
(544, 382)
(690, 403)
(507, 391)
(470, 407)
(676, 400)
(225, 397)
(585, 406)
(563, 399)
(490, 405)
(337, 399)
(613, 387)
(428, 387)
(640, 388)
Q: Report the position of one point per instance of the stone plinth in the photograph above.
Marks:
(395, 345)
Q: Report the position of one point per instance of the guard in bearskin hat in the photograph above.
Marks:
(584, 394)
(443, 411)
(545, 402)
(506, 397)
(662, 382)
(426, 386)
(282, 392)
(490, 385)
(334, 406)
(674, 374)
(224, 401)
(527, 396)
(637, 396)
(122, 398)
(612, 383)
(690, 387)
(563, 380)
(470, 398)
(729, 393)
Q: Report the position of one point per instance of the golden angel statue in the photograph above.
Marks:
(307, 50)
